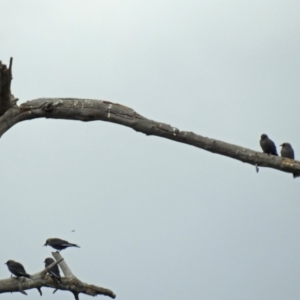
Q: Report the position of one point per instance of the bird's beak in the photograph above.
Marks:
(280, 145)
(45, 245)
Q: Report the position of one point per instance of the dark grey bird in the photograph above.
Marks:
(287, 151)
(267, 145)
(17, 269)
(54, 272)
(59, 244)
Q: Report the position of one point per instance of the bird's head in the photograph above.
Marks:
(264, 136)
(49, 260)
(285, 145)
(47, 242)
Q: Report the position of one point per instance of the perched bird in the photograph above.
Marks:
(54, 272)
(267, 145)
(287, 151)
(59, 244)
(17, 269)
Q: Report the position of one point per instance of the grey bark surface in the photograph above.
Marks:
(41, 279)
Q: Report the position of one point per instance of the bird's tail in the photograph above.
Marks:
(73, 245)
(27, 275)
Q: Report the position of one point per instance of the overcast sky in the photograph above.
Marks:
(155, 219)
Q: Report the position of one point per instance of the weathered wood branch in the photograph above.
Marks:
(71, 283)
(92, 110)
(42, 279)
(7, 100)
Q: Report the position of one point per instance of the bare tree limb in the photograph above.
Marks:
(42, 279)
(63, 265)
(71, 283)
(92, 110)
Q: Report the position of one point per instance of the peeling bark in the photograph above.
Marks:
(42, 279)
(92, 110)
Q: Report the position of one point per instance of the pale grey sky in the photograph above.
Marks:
(155, 219)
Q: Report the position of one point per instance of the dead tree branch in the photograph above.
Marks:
(42, 279)
(92, 110)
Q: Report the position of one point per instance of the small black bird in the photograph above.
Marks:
(59, 244)
(54, 272)
(17, 269)
(267, 145)
(287, 151)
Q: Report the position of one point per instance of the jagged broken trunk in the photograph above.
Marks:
(7, 100)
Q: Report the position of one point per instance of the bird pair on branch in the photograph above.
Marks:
(269, 147)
